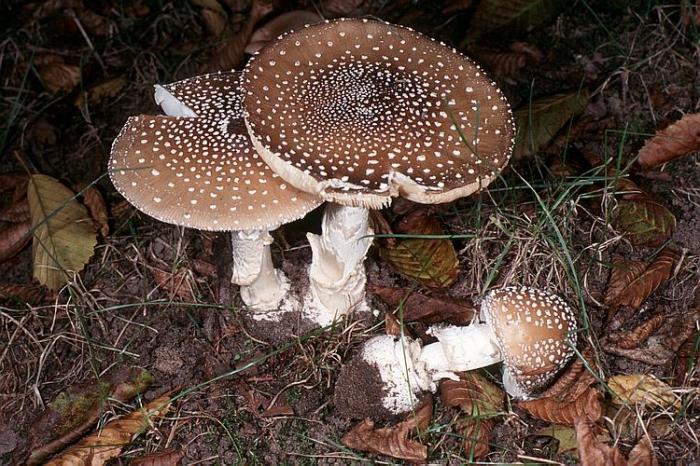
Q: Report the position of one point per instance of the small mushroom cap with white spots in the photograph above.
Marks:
(202, 172)
(214, 95)
(359, 111)
(535, 331)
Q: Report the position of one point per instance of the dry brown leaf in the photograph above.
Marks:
(645, 221)
(576, 380)
(13, 238)
(393, 441)
(279, 25)
(634, 337)
(480, 400)
(503, 63)
(170, 457)
(13, 181)
(632, 282)
(392, 326)
(279, 407)
(593, 453)
(177, 284)
(29, 294)
(643, 454)
(98, 448)
(587, 405)
(101, 91)
(215, 21)
(427, 309)
(643, 389)
(203, 267)
(679, 139)
(230, 53)
(685, 365)
(76, 409)
(59, 77)
(94, 23)
(95, 203)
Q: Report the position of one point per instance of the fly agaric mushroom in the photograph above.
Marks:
(533, 332)
(197, 168)
(357, 111)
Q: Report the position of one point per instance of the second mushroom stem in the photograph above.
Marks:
(337, 274)
(262, 287)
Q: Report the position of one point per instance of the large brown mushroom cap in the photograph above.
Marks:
(536, 333)
(202, 172)
(359, 110)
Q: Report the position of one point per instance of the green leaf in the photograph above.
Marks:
(431, 262)
(646, 222)
(538, 122)
(511, 16)
(64, 234)
(564, 434)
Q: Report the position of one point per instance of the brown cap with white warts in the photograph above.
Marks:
(358, 111)
(536, 333)
(201, 173)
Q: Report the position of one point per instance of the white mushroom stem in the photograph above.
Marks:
(262, 287)
(170, 104)
(337, 274)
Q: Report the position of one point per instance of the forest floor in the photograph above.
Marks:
(600, 76)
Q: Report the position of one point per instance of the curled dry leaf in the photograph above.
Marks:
(96, 205)
(427, 309)
(432, 262)
(279, 25)
(13, 238)
(679, 139)
(393, 441)
(98, 448)
(587, 405)
(645, 390)
(76, 409)
(178, 284)
(64, 234)
(632, 282)
(480, 400)
(170, 457)
(592, 452)
(634, 337)
(539, 121)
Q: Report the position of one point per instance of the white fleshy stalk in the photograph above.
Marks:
(170, 104)
(337, 274)
(262, 287)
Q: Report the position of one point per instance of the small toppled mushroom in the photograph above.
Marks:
(531, 331)
(358, 111)
(197, 168)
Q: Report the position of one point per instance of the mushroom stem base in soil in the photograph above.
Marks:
(337, 274)
(262, 287)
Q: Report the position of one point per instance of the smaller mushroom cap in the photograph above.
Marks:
(536, 333)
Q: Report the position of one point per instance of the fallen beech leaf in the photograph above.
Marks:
(170, 457)
(28, 294)
(95, 203)
(480, 400)
(633, 338)
(566, 436)
(587, 405)
(73, 411)
(393, 441)
(575, 380)
(645, 221)
(678, 139)
(432, 262)
(538, 122)
(98, 448)
(279, 25)
(13, 238)
(632, 282)
(688, 361)
(642, 389)
(101, 91)
(593, 453)
(59, 77)
(279, 408)
(392, 326)
(427, 309)
(502, 63)
(64, 234)
(203, 267)
(230, 53)
(177, 284)
(626, 423)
